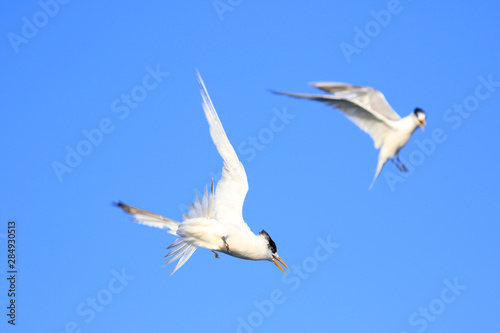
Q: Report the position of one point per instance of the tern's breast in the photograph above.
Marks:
(213, 235)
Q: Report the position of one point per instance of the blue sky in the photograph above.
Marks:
(101, 103)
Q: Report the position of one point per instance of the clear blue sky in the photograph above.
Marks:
(100, 103)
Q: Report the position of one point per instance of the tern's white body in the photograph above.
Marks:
(215, 222)
(368, 108)
(396, 138)
(207, 233)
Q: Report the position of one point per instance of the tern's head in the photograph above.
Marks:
(420, 115)
(272, 254)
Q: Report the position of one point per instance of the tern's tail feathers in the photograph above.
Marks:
(380, 164)
(182, 249)
(151, 219)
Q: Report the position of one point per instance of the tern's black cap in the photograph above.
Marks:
(272, 244)
(418, 110)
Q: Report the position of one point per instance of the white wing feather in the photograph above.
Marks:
(233, 185)
(376, 124)
(370, 98)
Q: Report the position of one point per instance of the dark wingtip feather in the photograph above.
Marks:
(124, 207)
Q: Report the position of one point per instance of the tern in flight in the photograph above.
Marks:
(368, 108)
(215, 222)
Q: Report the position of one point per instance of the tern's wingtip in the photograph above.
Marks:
(119, 204)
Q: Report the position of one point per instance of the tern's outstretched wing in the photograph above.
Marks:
(369, 98)
(233, 185)
(376, 124)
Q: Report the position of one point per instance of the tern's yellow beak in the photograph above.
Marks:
(275, 261)
(421, 123)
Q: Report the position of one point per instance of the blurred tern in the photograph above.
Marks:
(215, 222)
(368, 108)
